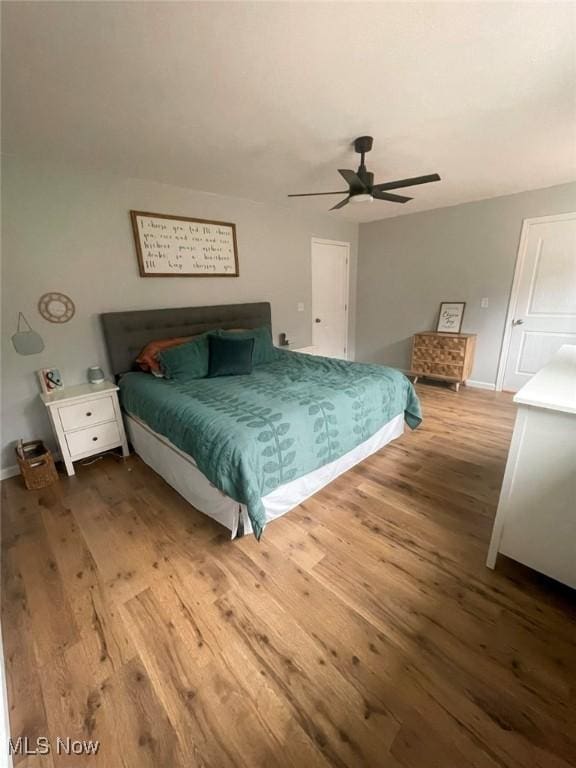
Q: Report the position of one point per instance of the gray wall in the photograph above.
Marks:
(70, 232)
(409, 264)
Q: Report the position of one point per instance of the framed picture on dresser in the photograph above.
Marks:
(450, 316)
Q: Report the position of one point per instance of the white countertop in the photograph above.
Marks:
(554, 386)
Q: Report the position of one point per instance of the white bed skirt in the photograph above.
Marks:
(180, 471)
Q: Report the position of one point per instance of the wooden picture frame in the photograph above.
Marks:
(186, 247)
(450, 316)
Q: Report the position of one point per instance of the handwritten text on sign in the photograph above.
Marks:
(185, 246)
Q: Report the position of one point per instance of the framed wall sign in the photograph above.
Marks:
(176, 246)
(450, 316)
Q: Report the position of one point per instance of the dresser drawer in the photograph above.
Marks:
(432, 354)
(93, 439)
(439, 369)
(86, 414)
(447, 343)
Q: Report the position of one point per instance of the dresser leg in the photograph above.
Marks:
(415, 380)
(69, 466)
(457, 386)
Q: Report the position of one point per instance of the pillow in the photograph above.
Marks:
(186, 361)
(148, 357)
(230, 356)
(264, 351)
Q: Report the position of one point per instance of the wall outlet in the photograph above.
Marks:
(300, 306)
(484, 303)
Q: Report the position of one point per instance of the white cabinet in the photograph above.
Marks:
(536, 518)
(86, 420)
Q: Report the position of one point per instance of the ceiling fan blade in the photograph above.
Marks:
(313, 194)
(341, 204)
(387, 196)
(406, 182)
(352, 178)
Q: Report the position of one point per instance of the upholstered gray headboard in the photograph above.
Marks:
(127, 332)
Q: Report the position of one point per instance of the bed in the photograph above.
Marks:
(246, 449)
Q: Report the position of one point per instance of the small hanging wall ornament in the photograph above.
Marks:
(56, 307)
(26, 342)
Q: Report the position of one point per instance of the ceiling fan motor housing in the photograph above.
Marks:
(368, 180)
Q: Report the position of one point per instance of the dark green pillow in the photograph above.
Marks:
(186, 361)
(264, 350)
(230, 356)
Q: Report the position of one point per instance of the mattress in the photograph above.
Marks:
(249, 435)
(180, 471)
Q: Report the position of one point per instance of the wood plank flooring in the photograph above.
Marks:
(364, 630)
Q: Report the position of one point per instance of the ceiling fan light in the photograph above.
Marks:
(363, 197)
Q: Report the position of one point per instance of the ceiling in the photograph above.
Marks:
(258, 100)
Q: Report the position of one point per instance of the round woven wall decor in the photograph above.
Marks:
(56, 307)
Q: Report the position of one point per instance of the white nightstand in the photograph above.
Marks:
(86, 420)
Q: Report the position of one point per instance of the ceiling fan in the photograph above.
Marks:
(361, 183)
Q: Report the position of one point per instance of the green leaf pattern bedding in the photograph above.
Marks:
(251, 434)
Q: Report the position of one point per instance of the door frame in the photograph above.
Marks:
(514, 293)
(347, 245)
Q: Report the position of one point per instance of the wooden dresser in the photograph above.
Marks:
(446, 356)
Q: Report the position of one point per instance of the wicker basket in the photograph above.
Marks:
(36, 465)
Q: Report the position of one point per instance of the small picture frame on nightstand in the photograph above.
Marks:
(450, 316)
(49, 379)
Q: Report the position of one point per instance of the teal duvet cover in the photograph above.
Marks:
(251, 434)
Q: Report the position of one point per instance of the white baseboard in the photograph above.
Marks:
(481, 384)
(7, 472)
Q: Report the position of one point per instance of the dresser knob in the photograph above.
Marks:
(94, 439)
(89, 413)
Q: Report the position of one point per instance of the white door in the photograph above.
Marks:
(542, 315)
(330, 298)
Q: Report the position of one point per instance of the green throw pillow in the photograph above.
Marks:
(186, 361)
(230, 356)
(264, 350)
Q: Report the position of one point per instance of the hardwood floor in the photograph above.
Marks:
(364, 630)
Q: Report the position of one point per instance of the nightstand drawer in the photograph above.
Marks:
(93, 439)
(86, 414)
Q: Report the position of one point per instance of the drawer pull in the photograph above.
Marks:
(88, 413)
(94, 439)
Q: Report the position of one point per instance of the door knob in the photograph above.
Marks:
(317, 320)
(518, 322)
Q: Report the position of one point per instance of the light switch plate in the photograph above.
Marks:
(484, 303)
(300, 306)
